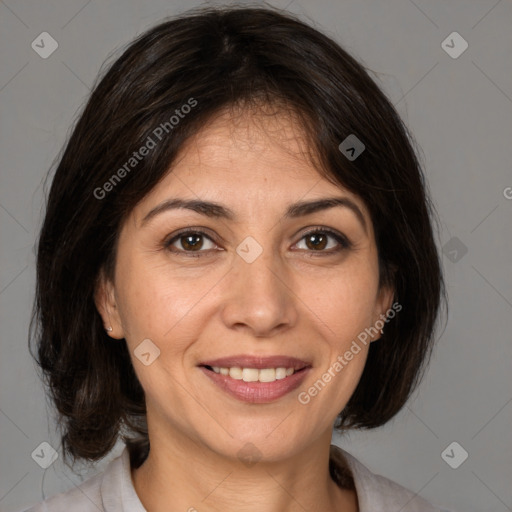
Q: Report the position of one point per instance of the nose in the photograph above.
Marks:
(260, 298)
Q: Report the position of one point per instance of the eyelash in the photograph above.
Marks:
(341, 239)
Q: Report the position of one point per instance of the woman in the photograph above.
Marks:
(237, 256)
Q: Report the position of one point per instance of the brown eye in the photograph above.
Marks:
(317, 240)
(191, 242)
(188, 242)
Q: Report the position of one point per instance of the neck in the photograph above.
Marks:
(181, 475)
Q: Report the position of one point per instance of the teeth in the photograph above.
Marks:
(254, 374)
(281, 373)
(235, 373)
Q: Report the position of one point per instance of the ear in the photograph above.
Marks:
(382, 305)
(105, 300)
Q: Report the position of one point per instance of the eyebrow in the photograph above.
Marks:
(216, 210)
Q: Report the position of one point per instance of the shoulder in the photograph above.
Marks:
(85, 497)
(375, 492)
(110, 490)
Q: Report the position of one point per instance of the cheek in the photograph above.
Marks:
(155, 303)
(344, 309)
(153, 306)
(346, 301)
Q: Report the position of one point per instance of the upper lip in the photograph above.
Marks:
(258, 362)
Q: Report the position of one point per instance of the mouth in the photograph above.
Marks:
(256, 368)
(256, 379)
(248, 374)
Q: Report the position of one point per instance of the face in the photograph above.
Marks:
(255, 282)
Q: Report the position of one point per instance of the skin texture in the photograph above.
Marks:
(284, 303)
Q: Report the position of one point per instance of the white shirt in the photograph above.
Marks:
(113, 491)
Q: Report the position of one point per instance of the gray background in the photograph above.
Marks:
(460, 111)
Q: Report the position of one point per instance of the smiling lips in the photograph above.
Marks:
(255, 374)
(256, 379)
(256, 368)
(260, 362)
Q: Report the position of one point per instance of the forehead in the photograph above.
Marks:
(246, 159)
(264, 136)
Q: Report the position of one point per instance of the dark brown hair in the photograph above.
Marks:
(220, 58)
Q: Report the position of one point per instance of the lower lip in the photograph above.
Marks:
(257, 392)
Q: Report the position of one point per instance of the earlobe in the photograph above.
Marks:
(105, 301)
(387, 301)
(386, 295)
